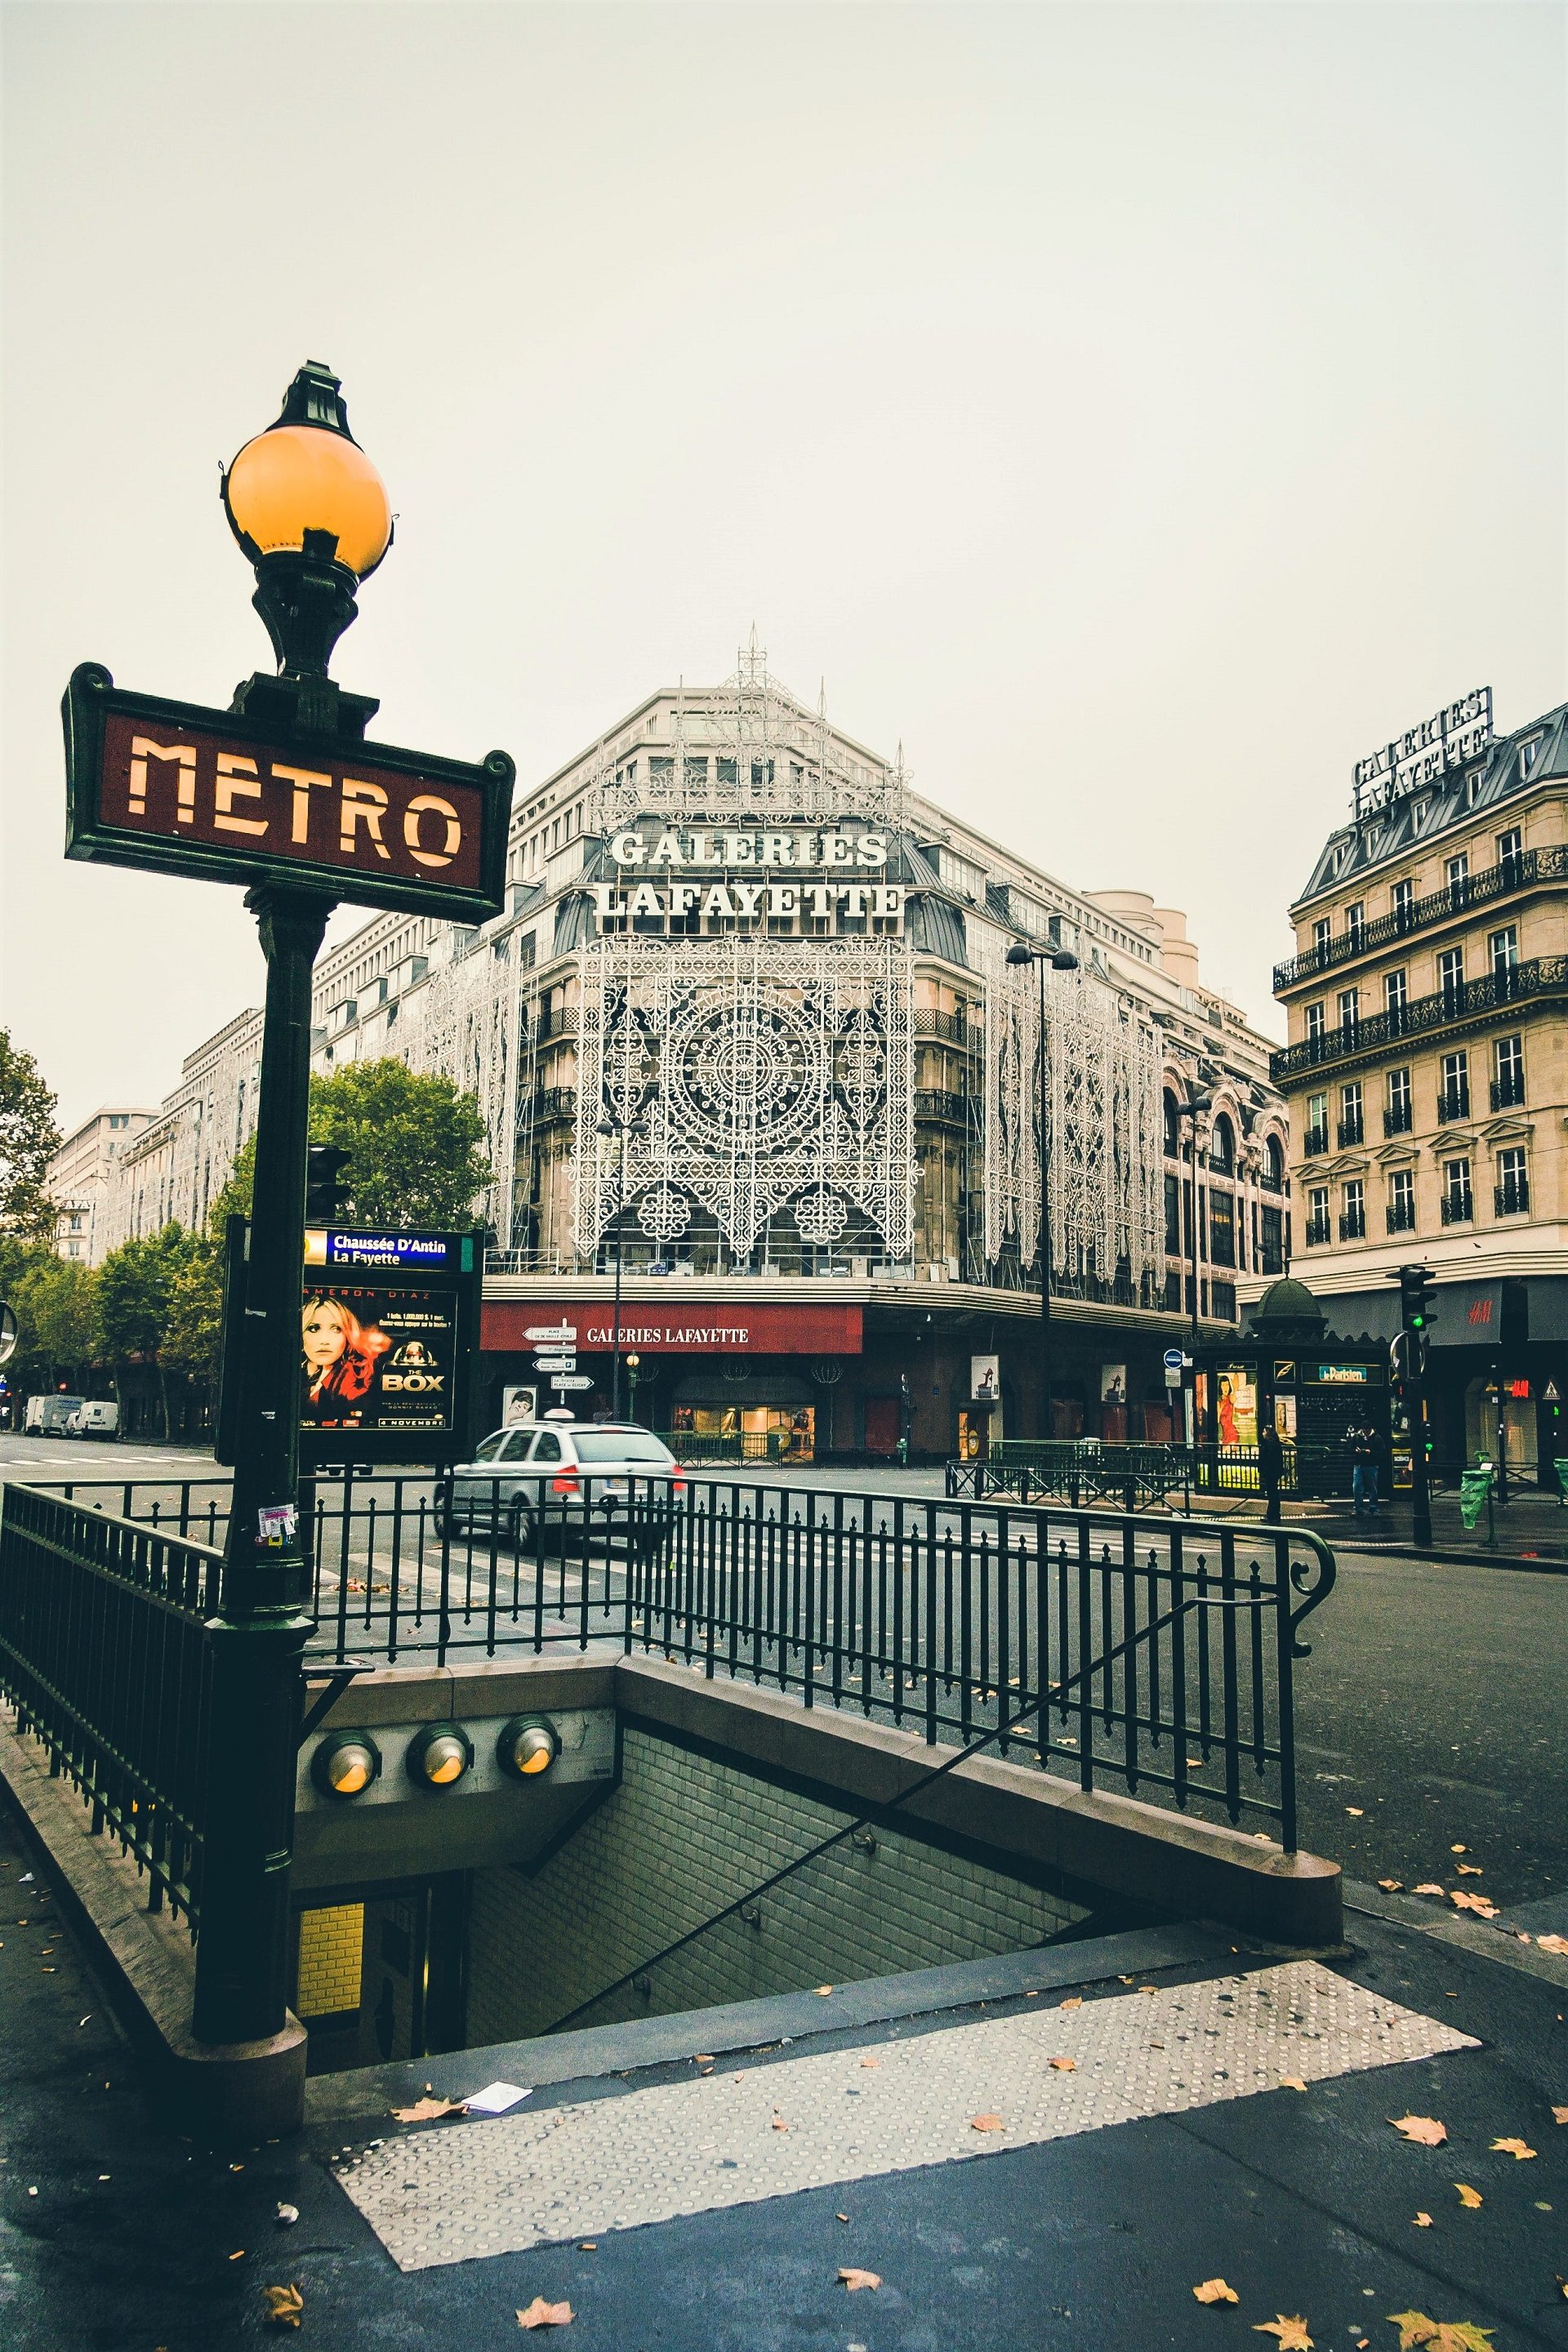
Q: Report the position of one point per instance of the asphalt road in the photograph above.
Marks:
(1429, 1715)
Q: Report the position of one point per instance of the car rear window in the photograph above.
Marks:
(619, 1445)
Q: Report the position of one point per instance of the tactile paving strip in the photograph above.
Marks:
(472, 2190)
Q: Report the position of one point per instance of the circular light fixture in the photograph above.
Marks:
(440, 1756)
(306, 487)
(528, 1746)
(345, 1763)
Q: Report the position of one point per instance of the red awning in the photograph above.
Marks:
(729, 1329)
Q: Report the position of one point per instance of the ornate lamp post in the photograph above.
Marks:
(1198, 1107)
(633, 1362)
(1044, 959)
(310, 510)
(614, 1124)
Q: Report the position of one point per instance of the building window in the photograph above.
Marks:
(1353, 1217)
(1401, 903)
(1317, 1216)
(1508, 1074)
(1314, 1024)
(696, 775)
(1527, 752)
(1172, 1216)
(1451, 976)
(76, 1221)
(1221, 1147)
(1272, 1226)
(1273, 1176)
(1222, 1228)
(1348, 1003)
(1401, 1201)
(1316, 1139)
(1322, 933)
(1512, 1195)
(1511, 857)
(1353, 1124)
(1397, 1117)
(1355, 923)
(1502, 948)
(1396, 993)
(1457, 875)
(1458, 1207)
(1453, 1094)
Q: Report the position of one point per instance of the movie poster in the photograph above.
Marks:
(377, 1359)
(1236, 1407)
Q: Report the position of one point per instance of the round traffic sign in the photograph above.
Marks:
(7, 1335)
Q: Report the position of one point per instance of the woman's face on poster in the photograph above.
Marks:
(323, 1334)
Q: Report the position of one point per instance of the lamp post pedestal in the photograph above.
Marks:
(258, 1637)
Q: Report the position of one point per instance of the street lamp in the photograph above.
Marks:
(632, 1361)
(1197, 1108)
(310, 511)
(1055, 958)
(614, 1124)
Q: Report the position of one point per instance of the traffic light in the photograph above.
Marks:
(325, 1168)
(1414, 1313)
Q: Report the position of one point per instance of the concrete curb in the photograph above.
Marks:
(223, 2093)
(1477, 1937)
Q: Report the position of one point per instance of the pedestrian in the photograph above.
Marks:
(1363, 1469)
(1270, 1470)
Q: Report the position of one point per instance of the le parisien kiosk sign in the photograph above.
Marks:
(204, 793)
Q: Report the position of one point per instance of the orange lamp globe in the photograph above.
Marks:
(296, 478)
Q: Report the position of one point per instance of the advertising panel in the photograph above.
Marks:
(378, 1359)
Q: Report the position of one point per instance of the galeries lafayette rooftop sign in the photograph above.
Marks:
(818, 1330)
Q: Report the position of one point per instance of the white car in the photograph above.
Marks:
(566, 1474)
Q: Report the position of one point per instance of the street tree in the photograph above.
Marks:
(57, 1307)
(415, 1145)
(28, 1139)
(136, 1289)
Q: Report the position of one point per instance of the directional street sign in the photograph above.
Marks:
(555, 1363)
(556, 1334)
(570, 1380)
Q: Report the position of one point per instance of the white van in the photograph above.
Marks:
(99, 1417)
(50, 1416)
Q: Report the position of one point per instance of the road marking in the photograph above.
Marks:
(475, 2190)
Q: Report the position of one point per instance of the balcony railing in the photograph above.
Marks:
(1440, 906)
(936, 1103)
(1508, 1094)
(1459, 1208)
(554, 1102)
(1453, 1102)
(1399, 1118)
(1318, 1233)
(1401, 1216)
(1543, 977)
(1352, 1225)
(1512, 1197)
(1351, 1130)
(1315, 1141)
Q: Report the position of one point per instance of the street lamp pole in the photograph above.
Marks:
(614, 1124)
(1193, 1110)
(283, 489)
(1056, 959)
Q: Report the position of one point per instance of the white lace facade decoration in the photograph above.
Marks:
(773, 1075)
(465, 1024)
(1104, 1119)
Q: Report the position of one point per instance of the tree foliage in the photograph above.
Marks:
(57, 1307)
(415, 1145)
(28, 1139)
(136, 1287)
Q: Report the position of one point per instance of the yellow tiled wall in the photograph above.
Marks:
(330, 1942)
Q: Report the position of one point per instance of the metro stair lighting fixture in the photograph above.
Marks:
(439, 1756)
(345, 1764)
(528, 1746)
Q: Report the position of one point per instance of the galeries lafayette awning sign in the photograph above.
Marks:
(825, 1330)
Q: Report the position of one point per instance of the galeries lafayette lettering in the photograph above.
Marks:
(825, 1330)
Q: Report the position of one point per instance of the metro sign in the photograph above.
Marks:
(178, 788)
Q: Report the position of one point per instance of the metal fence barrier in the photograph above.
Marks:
(1156, 1655)
(103, 1654)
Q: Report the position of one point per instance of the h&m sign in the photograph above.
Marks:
(182, 789)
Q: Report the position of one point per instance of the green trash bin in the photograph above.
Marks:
(1560, 1465)
(1474, 1489)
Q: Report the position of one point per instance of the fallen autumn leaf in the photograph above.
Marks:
(1423, 2221)
(1560, 2115)
(1425, 2131)
(1073, 2001)
(1468, 2198)
(1064, 2065)
(425, 2111)
(1514, 2147)
(1214, 2291)
(1292, 2332)
(1291, 2083)
(284, 2305)
(852, 2279)
(1428, 1886)
(986, 2123)
(1391, 1886)
(1441, 2334)
(1552, 1943)
(541, 2314)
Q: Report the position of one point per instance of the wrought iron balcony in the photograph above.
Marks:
(1459, 1208)
(1512, 1197)
(1399, 1118)
(1498, 881)
(1315, 1141)
(1352, 1225)
(1401, 1216)
(1508, 1094)
(1351, 1130)
(1453, 1102)
(1317, 1233)
(1543, 978)
(946, 1109)
(554, 1102)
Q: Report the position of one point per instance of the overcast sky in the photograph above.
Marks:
(1140, 412)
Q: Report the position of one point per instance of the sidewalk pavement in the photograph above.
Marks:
(1226, 2116)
